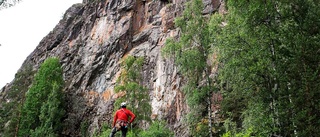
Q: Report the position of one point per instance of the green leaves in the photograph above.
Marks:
(172, 49)
(130, 82)
(266, 65)
(43, 109)
(191, 53)
(157, 129)
(10, 111)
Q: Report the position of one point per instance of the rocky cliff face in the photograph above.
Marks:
(91, 40)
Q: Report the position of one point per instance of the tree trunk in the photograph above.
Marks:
(210, 116)
(209, 94)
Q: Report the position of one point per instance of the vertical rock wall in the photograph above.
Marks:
(93, 38)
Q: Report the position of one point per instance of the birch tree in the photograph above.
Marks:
(191, 53)
(270, 66)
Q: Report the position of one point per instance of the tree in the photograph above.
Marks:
(11, 104)
(130, 82)
(8, 3)
(43, 109)
(191, 53)
(157, 129)
(269, 63)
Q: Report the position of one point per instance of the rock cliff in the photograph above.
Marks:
(91, 40)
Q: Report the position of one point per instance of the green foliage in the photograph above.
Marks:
(134, 133)
(131, 82)
(157, 129)
(246, 134)
(105, 132)
(43, 131)
(84, 128)
(201, 129)
(191, 54)
(269, 70)
(10, 111)
(43, 109)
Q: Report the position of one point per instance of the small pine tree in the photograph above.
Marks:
(43, 109)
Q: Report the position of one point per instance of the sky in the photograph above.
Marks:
(22, 27)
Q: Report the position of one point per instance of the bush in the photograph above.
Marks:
(157, 129)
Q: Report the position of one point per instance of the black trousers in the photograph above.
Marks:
(123, 129)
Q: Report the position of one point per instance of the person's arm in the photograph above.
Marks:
(114, 119)
(132, 116)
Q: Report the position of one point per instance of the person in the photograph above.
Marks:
(120, 120)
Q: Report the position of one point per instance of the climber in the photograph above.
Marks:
(120, 121)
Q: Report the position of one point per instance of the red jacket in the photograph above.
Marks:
(123, 114)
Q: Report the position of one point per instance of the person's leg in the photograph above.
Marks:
(113, 131)
(124, 131)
